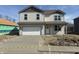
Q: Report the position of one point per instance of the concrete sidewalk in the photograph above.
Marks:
(59, 49)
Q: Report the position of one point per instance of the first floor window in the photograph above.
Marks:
(57, 27)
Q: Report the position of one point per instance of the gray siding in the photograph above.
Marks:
(31, 17)
(51, 17)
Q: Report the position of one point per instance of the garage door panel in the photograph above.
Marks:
(31, 30)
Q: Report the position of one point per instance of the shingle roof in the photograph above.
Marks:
(31, 9)
(49, 22)
(46, 12)
(49, 12)
(7, 22)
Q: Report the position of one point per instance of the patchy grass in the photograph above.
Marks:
(61, 40)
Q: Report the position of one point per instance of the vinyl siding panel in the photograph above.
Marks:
(51, 17)
(31, 16)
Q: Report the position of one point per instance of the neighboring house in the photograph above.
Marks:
(76, 25)
(34, 21)
(70, 28)
(8, 27)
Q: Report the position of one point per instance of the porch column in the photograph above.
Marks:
(20, 31)
(43, 30)
(65, 29)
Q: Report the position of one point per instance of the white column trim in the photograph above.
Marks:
(66, 29)
(43, 30)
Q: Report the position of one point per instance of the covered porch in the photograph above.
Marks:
(55, 28)
(44, 28)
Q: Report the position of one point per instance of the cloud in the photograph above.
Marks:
(69, 18)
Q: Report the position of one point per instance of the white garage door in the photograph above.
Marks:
(31, 30)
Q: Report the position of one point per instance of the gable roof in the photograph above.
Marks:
(31, 9)
(49, 12)
(46, 12)
(7, 22)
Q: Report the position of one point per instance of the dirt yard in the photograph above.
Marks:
(6, 37)
(61, 40)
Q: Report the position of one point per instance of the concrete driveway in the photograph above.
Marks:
(21, 44)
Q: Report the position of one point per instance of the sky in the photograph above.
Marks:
(72, 11)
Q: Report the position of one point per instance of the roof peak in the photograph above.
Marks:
(34, 8)
(31, 8)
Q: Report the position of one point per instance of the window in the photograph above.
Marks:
(57, 17)
(25, 17)
(57, 27)
(38, 17)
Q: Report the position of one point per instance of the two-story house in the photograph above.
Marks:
(34, 21)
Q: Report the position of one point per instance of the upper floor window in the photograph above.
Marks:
(57, 28)
(57, 17)
(37, 16)
(25, 17)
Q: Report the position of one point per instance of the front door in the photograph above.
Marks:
(47, 31)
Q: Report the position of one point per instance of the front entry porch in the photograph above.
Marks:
(47, 29)
(54, 29)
